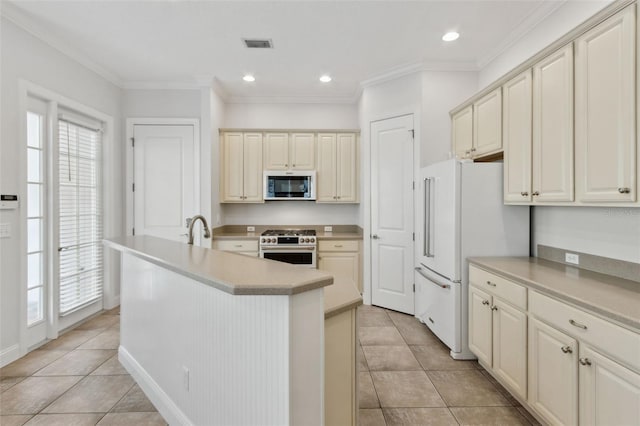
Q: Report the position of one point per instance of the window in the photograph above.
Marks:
(35, 218)
(80, 215)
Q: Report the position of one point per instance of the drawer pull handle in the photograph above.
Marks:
(524, 194)
(577, 324)
(485, 302)
(566, 349)
(491, 284)
(624, 190)
(585, 361)
(238, 245)
(535, 193)
(494, 308)
(337, 245)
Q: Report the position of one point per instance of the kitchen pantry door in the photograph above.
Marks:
(392, 213)
(165, 185)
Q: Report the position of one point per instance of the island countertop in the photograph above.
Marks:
(229, 272)
(611, 297)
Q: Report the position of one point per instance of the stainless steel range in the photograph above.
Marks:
(295, 246)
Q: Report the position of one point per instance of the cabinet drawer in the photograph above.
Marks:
(616, 341)
(236, 245)
(337, 245)
(498, 286)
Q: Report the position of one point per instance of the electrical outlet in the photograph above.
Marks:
(251, 229)
(185, 378)
(328, 229)
(572, 258)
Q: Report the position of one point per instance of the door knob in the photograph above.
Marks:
(375, 237)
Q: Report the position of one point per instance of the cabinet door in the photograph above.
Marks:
(516, 131)
(510, 346)
(609, 393)
(253, 167)
(480, 329)
(276, 151)
(347, 168)
(462, 132)
(487, 124)
(553, 374)
(232, 167)
(326, 172)
(606, 111)
(303, 151)
(553, 127)
(341, 265)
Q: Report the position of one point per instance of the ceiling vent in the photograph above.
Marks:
(255, 43)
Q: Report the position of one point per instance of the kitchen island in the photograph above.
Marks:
(219, 338)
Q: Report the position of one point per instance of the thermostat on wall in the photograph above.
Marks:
(8, 202)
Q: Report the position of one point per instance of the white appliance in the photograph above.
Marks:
(289, 185)
(462, 215)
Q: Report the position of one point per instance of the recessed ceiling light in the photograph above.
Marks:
(450, 36)
(249, 78)
(325, 78)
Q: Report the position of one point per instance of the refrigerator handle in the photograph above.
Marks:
(426, 246)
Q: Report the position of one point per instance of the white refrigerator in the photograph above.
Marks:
(461, 215)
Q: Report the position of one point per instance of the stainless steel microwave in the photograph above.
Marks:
(289, 185)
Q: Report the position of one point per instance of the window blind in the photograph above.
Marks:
(80, 215)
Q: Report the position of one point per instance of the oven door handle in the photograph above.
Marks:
(293, 249)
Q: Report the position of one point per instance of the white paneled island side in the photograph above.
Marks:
(218, 338)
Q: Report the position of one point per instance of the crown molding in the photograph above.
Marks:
(392, 74)
(162, 85)
(528, 24)
(12, 13)
(291, 100)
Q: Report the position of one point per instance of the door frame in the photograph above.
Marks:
(130, 124)
(415, 111)
(54, 101)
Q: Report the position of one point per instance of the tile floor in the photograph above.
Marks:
(75, 380)
(406, 377)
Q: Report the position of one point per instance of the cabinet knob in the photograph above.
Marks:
(494, 308)
(485, 302)
(585, 361)
(524, 194)
(293, 165)
(473, 150)
(535, 193)
(491, 284)
(286, 165)
(566, 349)
(624, 190)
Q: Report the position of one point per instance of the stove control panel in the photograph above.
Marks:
(298, 241)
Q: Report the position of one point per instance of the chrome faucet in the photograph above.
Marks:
(192, 221)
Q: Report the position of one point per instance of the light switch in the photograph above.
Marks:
(5, 230)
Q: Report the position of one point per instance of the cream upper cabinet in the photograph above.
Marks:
(284, 151)
(302, 151)
(487, 124)
(337, 171)
(606, 111)
(553, 127)
(553, 374)
(276, 151)
(462, 132)
(516, 133)
(609, 393)
(241, 167)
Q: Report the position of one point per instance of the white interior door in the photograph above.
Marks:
(165, 180)
(392, 213)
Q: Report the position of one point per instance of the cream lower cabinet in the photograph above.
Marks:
(609, 392)
(498, 327)
(241, 167)
(340, 395)
(337, 171)
(342, 259)
(246, 247)
(553, 374)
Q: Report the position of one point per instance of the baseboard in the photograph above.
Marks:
(463, 355)
(169, 410)
(111, 303)
(7, 356)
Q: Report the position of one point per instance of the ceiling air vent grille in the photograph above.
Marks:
(258, 43)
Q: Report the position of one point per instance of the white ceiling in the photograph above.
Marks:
(175, 42)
